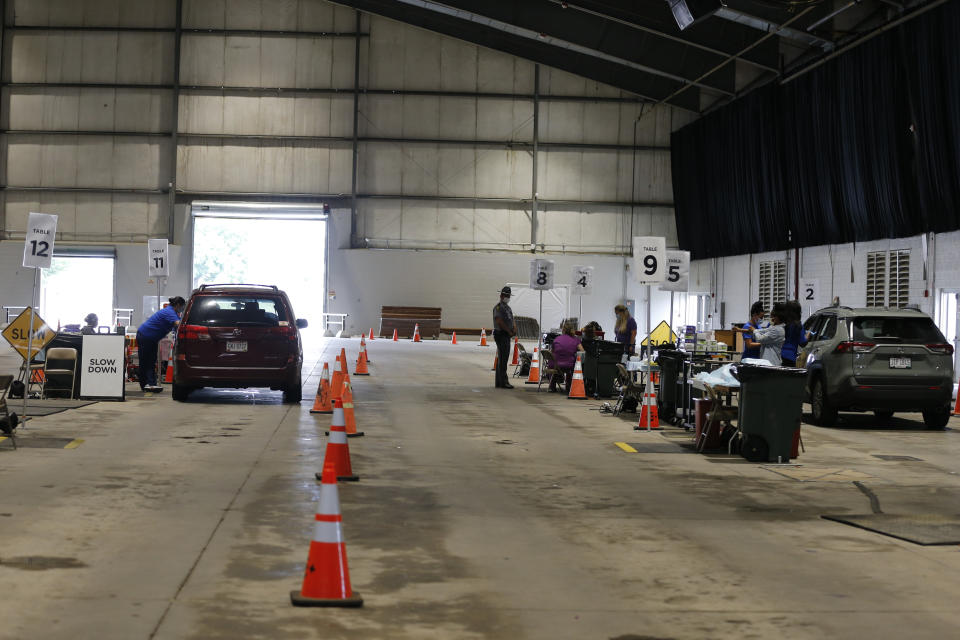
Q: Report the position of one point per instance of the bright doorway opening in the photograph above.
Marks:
(75, 286)
(282, 245)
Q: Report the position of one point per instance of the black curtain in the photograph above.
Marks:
(866, 146)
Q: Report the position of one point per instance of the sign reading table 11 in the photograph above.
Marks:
(158, 257)
(649, 260)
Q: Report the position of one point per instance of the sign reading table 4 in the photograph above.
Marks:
(582, 281)
(17, 334)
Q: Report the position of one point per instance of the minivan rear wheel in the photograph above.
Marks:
(936, 418)
(293, 393)
(824, 414)
(883, 415)
(180, 392)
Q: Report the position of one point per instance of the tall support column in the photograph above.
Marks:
(354, 240)
(175, 126)
(3, 120)
(534, 223)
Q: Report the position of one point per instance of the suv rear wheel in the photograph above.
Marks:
(180, 392)
(824, 414)
(936, 418)
(883, 415)
(293, 393)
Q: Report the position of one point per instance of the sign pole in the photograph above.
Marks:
(648, 389)
(671, 315)
(33, 307)
(540, 324)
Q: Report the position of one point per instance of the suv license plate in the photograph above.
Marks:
(899, 363)
(241, 346)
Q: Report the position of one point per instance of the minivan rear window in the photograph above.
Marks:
(896, 330)
(237, 311)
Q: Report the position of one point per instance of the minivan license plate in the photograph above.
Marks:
(241, 346)
(899, 363)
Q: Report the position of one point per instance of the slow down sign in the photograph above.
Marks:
(102, 369)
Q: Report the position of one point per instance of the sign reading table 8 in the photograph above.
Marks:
(541, 274)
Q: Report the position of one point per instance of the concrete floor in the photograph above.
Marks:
(480, 513)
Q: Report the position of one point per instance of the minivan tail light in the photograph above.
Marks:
(290, 333)
(849, 346)
(946, 349)
(193, 332)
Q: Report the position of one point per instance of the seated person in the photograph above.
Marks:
(590, 331)
(565, 348)
(91, 327)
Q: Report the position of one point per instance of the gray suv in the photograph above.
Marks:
(879, 360)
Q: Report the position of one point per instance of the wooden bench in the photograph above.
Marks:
(465, 331)
(403, 319)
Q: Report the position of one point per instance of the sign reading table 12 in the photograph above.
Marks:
(38, 248)
(649, 260)
(541, 274)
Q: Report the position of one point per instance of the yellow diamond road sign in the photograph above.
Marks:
(17, 334)
(661, 334)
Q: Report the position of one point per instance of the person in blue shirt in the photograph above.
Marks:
(148, 341)
(795, 336)
(756, 322)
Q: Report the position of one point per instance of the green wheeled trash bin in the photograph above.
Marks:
(771, 405)
(671, 364)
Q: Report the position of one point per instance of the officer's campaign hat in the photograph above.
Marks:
(505, 291)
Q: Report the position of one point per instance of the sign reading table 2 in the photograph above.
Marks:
(541, 274)
(158, 257)
(17, 334)
(649, 260)
(810, 293)
(38, 248)
(582, 281)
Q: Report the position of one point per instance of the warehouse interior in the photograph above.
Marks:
(364, 154)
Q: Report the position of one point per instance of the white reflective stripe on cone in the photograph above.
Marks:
(338, 418)
(327, 532)
(337, 436)
(329, 500)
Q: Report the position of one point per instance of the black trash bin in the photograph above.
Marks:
(671, 365)
(771, 405)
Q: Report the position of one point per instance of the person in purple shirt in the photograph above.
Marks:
(626, 330)
(565, 348)
(149, 335)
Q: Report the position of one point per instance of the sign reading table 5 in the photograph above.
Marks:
(678, 271)
(649, 260)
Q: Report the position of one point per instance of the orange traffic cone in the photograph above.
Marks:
(496, 361)
(322, 402)
(956, 408)
(362, 363)
(349, 418)
(336, 382)
(326, 580)
(338, 451)
(395, 335)
(534, 368)
(371, 334)
(416, 333)
(649, 417)
(483, 338)
(337, 392)
(454, 341)
(168, 376)
(516, 352)
(363, 347)
(577, 390)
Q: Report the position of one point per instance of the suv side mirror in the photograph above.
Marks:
(301, 323)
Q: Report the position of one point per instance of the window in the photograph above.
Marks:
(236, 311)
(829, 329)
(896, 330)
(773, 284)
(888, 287)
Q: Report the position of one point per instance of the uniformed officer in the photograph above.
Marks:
(503, 329)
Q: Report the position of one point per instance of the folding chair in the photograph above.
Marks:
(548, 367)
(61, 362)
(8, 421)
(628, 388)
(525, 358)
